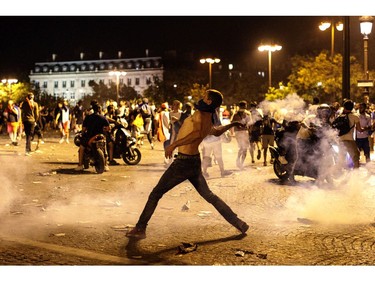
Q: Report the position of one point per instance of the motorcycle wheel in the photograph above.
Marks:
(132, 156)
(100, 161)
(280, 170)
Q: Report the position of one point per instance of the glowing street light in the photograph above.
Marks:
(9, 82)
(270, 49)
(327, 24)
(210, 63)
(117, 74)
(366, 26)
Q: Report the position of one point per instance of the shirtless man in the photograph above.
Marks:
(187, 165)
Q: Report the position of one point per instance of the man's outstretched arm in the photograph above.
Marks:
(219, 130)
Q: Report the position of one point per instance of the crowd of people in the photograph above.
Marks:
(192, 135)
(151, 123)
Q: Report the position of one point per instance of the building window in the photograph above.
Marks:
(122, 81)
(64, 84)
(83, 83)
(72, 96)
(148, 80)
(101, 81)
(56, 84)
(37, 85)
(45, 84)
(129, 81)
(137, 81)
(72, 84)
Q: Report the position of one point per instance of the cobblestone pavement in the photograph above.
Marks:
(52, 215)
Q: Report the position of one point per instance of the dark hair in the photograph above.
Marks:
(96, 107)
(348, 105)
(242, 104)
(216, 97)
(93, 102)
(316, 100)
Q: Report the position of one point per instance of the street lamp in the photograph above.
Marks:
(270, 49)
(117, 74)
(327, 24)
(210, 63)
(365, 23)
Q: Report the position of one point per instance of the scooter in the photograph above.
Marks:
(124, 145)
(290, 158)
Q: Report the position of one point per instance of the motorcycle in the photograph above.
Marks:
(306, 158)
(95, 152)
(124, 144)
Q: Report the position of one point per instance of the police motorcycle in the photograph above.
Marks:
(314, 157)
(124, 144)
(94, 153)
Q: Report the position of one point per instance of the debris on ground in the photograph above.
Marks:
(204, 213)
(186, 206)
(58, 234)
(242, 253)
(187, 248)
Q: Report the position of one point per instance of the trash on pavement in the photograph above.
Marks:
(58, 234)
(186, 206)
(187, 248)
(203, 214)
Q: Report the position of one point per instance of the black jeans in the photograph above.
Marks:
(29, 132)
(185, 167)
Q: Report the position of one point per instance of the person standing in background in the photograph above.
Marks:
(12, 119)
(62, 120)
(30, 115)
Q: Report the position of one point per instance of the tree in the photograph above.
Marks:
(279, 93)
(322, 77)
(16, 92)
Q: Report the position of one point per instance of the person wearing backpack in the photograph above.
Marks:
(347, 140)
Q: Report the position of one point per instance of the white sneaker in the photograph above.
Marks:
(106, 168)
(67, 141)
(62, 140)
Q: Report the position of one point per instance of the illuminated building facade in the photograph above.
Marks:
(70, 79)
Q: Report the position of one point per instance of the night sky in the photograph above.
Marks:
(234, 39)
